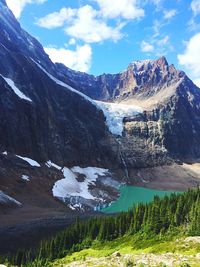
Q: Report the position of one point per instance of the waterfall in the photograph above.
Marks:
(123, 161)
(124, 165)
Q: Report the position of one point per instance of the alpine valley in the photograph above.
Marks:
(70, 140)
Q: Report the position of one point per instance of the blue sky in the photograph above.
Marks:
(100, 36)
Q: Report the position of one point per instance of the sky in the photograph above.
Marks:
(104, 36)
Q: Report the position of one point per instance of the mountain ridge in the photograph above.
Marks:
(158, 88)
(49, 114)
(107, 86)
(19, 49)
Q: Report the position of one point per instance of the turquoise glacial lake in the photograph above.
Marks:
(131, 195)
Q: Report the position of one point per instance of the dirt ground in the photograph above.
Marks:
(173, 177)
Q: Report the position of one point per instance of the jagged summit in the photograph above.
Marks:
(150, 64)
(143, 79)
(139, 65)
(162, 60)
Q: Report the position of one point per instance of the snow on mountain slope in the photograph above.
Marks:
(70, 186)
(115, 113)
(5, 199)
(25, 178)
(140, 65)
(50, 164)
(15, 89)
(30, 161)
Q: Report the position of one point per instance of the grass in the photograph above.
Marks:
(134, 245)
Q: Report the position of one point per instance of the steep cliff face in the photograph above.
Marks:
(40, 116)
(178, 120)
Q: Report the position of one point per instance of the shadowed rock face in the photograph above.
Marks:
(58, 124)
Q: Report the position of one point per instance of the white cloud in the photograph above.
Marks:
(159, 46)
(57, 19)
(157, 25)
(79, 59)
(163, 46)
(159, 40)
(163, 41)
(87, 27)
(127, 9)
(190, 59)
(157, 2)
(17, 6)
(72, 41)
(168, 14)
(195, 5)
(146, 47)
(83, 24)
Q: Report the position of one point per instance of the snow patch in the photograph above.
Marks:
(69, 186)
(5, 199)
(138, 64)
(50, 164)
(25, 178)
(5, 153)
(115, 113)
(15, 89)
(30, 161)
(71, 207)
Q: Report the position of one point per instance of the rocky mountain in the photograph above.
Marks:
(170, 102)
(141, 80)
(74, 137)
(43, 120)
(53, 121)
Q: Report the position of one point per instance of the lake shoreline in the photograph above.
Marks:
(131, 195)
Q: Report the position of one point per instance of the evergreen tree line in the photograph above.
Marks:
(159, 216)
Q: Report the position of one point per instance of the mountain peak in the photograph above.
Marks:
(162, 61)
(140, 65)
(142, 62)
